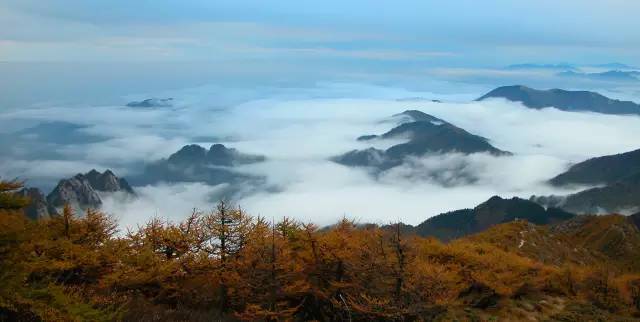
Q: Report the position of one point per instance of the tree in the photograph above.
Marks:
(225, 234)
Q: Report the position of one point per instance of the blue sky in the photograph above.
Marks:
(75, 49)
(433, 33)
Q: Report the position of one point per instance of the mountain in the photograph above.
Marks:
(193, 163)
(574, 101)
(108, 182)
(425, 134)
(496, 210)
(75, 191)
(622, 196)
(152, 102)
(617, 178)
(82, 190)
(563, 66)
(601, 170)
(38, 207)
(612, 75)
(615, 66)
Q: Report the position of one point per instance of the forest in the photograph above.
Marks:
(226, 265)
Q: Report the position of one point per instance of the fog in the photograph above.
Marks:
(298, 130)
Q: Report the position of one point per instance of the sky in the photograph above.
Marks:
(458, 32)
(87, 51)
(297, 81)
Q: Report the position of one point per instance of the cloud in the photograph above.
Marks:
(171, 202)
(299, 128)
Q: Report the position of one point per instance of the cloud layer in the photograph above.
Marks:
(298, 129)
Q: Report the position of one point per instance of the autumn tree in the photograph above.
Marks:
(225, 234)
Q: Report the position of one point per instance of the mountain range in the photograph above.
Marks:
(424, 134)
(573, 101)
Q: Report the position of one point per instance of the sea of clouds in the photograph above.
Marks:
(298, 130)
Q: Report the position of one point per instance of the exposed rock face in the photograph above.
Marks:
(152, 102)
(563, 100)
(77, 192)
(38, 208)
(108, 182)
(82, 190)
(425, 134)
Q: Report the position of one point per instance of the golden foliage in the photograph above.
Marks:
(225, 264)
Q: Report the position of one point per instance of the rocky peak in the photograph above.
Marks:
(76, 191)
(189, 154)
(82, 190)
(38, 207)
(108, 182)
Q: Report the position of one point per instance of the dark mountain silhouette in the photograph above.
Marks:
(193, 163)
(575, 101)
(496, 210)
(621, 196)
(601, 170)
(425, 134)
(617, 178)
(152, 102)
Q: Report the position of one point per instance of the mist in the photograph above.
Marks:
(298, 130)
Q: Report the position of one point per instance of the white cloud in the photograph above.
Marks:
(299, 129)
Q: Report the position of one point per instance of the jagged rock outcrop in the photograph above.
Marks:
(108, 182)
(82, 190)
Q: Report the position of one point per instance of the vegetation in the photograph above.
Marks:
(226, 265)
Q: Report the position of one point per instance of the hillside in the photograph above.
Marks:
(583, 240)
(573, 101)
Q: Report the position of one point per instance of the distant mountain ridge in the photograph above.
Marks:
(574, 101)
(496, 210)
(425, 134)
(152, 102)
(620, 176)
(612, 75)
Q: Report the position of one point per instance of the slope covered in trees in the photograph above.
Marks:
(226, 265)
